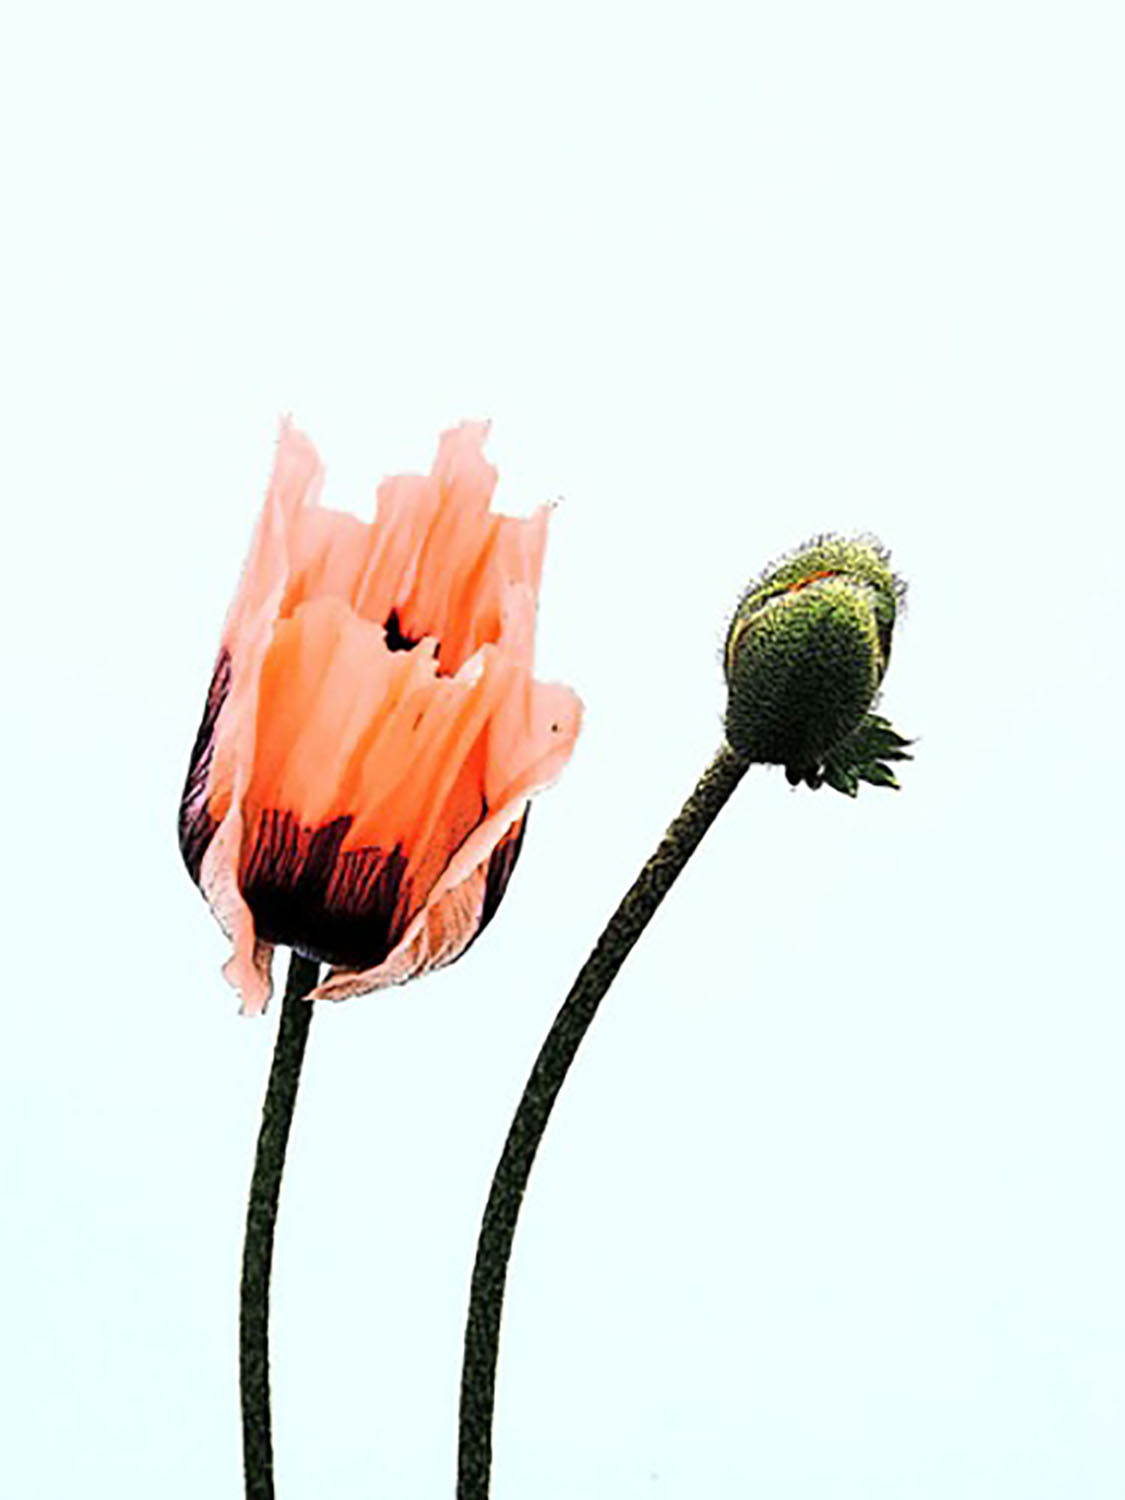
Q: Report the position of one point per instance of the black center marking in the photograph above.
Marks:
(396, 639)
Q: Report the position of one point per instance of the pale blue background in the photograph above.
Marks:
(832, 1204)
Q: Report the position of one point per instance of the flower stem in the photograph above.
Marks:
(261, 1217)
(494, 1247)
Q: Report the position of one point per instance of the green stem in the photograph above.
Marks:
(261, 1217)
(494, 1247)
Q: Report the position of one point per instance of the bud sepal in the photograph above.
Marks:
(862, 756)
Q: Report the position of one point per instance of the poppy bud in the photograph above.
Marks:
(806, 652)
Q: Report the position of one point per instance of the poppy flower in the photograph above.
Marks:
(359, 785)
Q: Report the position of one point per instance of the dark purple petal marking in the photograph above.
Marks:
(342, 909)
(501, 863)
(197, 826)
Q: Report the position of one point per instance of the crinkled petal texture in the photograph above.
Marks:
(359, 785)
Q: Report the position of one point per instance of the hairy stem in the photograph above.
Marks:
(494, 1246)
(261, 1217)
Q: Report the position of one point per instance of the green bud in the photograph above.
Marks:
(806, 652)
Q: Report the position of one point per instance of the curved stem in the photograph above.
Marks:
(494, 1247)
(261, 1217)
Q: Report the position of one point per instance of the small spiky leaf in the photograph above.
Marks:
(862, 755)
